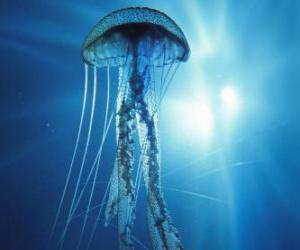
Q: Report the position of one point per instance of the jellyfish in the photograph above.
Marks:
(138, 41)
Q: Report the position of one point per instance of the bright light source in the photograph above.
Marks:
(200, 119)
(229, 99)
(194, 118)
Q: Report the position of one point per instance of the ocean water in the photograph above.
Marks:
(229, 125)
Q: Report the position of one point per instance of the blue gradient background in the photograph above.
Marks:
(251, 164)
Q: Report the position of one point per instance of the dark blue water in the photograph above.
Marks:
(231, 181)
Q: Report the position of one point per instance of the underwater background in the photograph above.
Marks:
(229, 125)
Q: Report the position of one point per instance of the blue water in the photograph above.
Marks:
(232, 183)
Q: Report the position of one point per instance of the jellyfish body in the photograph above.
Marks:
(135, 39)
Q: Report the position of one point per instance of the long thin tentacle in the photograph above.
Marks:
(84, 155)
(169, 82)
(163, 79)
(107, 98)
(98, 215)
(99, 158)
(162, 71)
(74, 153)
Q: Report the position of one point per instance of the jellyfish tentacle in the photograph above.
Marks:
(99, 158)
(132, 109)
(98, 216)
(87, 142)
(162, 232)
(139, 169)
(73, 156)
(95, 162)
(107, 98)
(167, 84)
(71, 209)
(125, 166)
(112, 201)
(125, 123)
(111, 209)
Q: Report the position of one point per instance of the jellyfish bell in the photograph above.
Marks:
(136, 40)
(139, 32)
